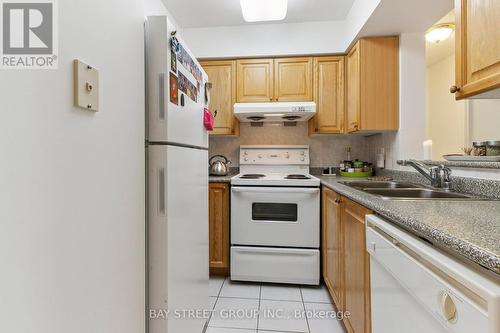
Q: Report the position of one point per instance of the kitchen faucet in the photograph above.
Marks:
(439, 176)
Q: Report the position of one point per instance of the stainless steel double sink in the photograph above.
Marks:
(392, 190)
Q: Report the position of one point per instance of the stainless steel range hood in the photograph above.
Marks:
(274, 112)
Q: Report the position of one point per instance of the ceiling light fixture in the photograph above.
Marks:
(439, 32)
(263, 10)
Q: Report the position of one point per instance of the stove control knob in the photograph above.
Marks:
(245, 153)
(302, 159)
(260, 156)
(287, 155)
(246, 158)
(302, 153)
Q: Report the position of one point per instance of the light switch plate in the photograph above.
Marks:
(86, 86)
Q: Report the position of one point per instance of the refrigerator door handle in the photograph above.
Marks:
(161, 96)
(161, 191)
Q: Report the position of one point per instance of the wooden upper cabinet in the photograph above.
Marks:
(328, 90)
(255, 80)
(332, 254)
(477, 57)
(222, 75)
(293, 79)
(273, 80)
(373, 85)
(356, 268)
(353, 100)
(219, 227)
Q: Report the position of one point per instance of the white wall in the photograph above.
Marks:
(407, 142)
(280, 38)
(266, 39)
(157, 7)
(446, 125)
(72, 182)
(484, 117)
(365, 18)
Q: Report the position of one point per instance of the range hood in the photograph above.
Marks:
(274, 112)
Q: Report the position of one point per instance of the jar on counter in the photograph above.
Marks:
(493, 148)
(358, 166)
(481, 147)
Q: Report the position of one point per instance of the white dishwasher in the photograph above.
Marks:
(416, 288)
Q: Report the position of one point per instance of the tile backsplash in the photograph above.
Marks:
(326, 150)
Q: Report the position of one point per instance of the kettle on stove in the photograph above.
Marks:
(218, 165)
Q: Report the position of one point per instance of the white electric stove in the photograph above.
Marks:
(275, 217)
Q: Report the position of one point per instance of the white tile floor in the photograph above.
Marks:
(270, 308)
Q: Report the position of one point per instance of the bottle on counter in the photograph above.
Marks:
(348, 166)
(348, 151)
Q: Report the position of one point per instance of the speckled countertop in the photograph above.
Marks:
(469, 229)
(220, 179)
(233, 171)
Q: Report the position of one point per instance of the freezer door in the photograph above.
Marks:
(169, 121)
(178, 236)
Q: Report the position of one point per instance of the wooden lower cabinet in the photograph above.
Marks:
(218, 200)
(332, 256)
(346, 269)
(356, 268)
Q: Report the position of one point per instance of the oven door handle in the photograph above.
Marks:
(274, 190)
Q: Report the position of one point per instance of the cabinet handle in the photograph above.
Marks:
(454, 89)
(271, 99)
(338, 201)
(215, 114)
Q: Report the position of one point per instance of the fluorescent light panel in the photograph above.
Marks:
(263, 10)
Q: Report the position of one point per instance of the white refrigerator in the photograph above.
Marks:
(177, 157)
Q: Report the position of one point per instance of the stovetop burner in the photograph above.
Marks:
(252, 176)
(297, 177)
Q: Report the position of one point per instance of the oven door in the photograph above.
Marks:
(275, 216)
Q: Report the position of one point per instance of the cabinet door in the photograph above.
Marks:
(477, 48)
(357, 270)
(293, 79)
(379, 84)
(333, 258)
(219, 226)
(328, 95)
(255, 80)
(222, 75)
(353, 89)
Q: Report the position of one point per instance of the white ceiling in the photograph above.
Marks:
(216, 13)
